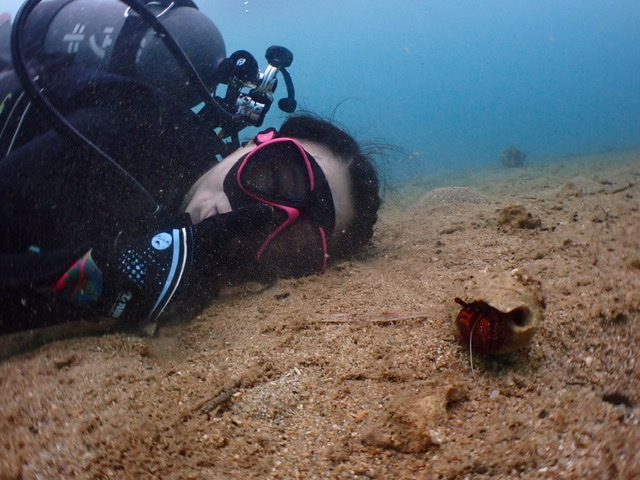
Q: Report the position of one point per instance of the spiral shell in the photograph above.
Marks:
(501, 313)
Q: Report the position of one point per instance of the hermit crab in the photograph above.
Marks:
(501, 314)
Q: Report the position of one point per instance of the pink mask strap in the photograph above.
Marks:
(265, 136)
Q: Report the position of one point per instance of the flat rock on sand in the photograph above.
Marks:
(451, 195)
(579, 186)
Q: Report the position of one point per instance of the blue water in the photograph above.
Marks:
(455, 81)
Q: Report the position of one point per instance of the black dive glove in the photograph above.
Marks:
(136, 279)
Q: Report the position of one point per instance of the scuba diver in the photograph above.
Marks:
(124, 190)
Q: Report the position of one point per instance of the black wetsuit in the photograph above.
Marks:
(58, 198)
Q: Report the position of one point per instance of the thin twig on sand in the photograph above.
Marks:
(378, 318)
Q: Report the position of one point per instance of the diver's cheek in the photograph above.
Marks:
(195, 214)
(199, 207)
(221, 205)
(202, 207)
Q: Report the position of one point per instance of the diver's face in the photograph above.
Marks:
(207, 196)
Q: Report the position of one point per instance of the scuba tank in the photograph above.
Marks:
(112, 37)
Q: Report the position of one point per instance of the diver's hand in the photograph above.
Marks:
(136, 279)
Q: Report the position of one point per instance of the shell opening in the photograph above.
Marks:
(520, 316)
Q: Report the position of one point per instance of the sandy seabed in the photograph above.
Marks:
(358, 373)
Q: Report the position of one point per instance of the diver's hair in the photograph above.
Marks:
(363, 178)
